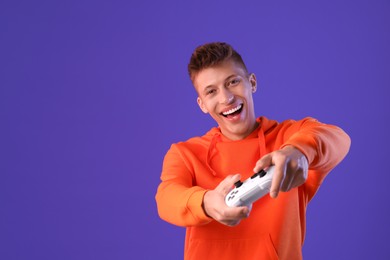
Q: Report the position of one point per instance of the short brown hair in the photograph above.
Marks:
(212, 54)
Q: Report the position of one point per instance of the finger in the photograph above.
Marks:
(299, 179)
(235, 221)
(227, 184)
(264, 162)
(245, 211)
(295, 176)
(287, 182)
(231, 216)
(277, 180)
(236, 213)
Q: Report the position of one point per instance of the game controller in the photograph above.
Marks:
(252, 189)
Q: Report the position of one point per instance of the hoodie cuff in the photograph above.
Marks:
(307, 145)
(195, 206)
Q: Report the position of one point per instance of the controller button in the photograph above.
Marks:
(238, 184)
(262, 173)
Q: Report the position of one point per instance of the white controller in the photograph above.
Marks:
(252, 189)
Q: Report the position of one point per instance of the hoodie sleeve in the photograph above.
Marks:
(178, 201)
(324, 146)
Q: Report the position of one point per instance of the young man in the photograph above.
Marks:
(198, 173)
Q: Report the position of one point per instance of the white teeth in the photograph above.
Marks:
(231, 111)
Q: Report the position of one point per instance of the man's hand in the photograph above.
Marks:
(215, 207)
(291, 169)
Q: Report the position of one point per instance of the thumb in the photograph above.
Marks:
(264, 162)
(227, 184)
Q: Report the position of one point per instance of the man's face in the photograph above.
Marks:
(225, 92)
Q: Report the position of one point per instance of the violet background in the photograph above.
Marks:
(92, 94)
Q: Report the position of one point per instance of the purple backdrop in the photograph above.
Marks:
(92, 94)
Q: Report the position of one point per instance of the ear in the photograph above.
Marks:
(201, 105)
(253, 81)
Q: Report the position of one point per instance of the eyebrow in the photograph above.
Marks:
(226, 79)
(232, 76)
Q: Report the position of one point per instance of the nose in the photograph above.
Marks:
(227, 97)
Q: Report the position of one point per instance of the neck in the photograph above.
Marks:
(236, 137)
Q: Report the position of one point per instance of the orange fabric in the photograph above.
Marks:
(275, 228)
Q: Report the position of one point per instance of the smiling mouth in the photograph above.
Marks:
(232, 112)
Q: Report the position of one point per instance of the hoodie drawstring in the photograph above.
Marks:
(216, 138)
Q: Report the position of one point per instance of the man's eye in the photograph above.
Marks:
(234, 81)
(211, 91)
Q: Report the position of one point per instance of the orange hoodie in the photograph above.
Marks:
(275, 228)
